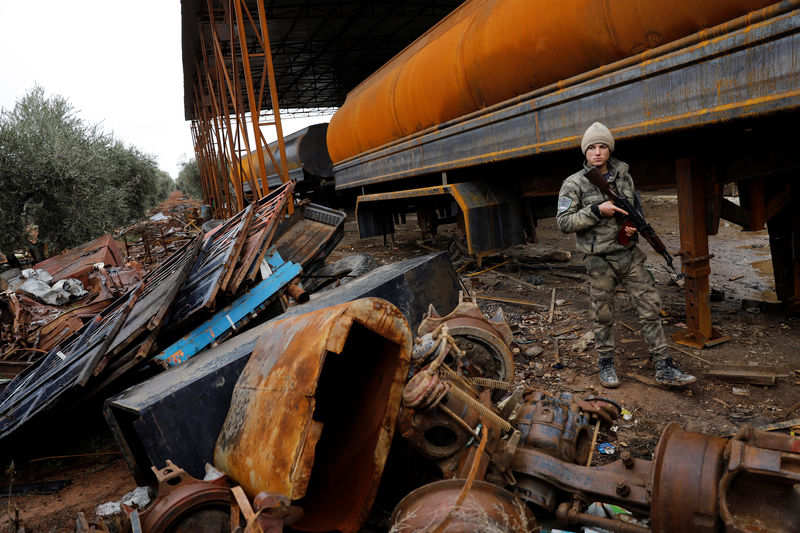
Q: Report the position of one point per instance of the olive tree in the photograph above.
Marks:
(65, 178)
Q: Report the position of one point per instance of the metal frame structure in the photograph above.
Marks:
(234, 72)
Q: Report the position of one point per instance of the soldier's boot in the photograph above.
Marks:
(668, 374)
(608, 376)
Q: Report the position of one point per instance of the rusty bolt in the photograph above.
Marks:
(627, 460)
(622, 488)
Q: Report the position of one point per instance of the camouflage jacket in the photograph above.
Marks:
(593, 234)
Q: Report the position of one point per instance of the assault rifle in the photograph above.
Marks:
(634, 217)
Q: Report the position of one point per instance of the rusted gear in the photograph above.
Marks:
(484, 342)
(187, 505)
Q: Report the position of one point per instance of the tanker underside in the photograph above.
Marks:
(717, 111)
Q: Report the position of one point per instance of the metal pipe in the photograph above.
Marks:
(568, 516)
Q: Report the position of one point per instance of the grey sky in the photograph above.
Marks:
(118, 63)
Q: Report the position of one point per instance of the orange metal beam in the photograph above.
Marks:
(232, 92)
(696, 259)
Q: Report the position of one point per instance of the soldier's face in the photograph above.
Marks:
(598, 154)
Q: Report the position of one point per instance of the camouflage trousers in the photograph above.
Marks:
(626, 268)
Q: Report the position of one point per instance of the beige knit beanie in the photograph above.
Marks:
(597, 133)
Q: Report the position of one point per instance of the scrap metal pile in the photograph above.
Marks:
(327, 394)
(330, 409)
(128, 321)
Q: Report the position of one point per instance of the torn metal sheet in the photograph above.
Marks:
(234, 316)
(214, 266)
(78, 262)
(82, 356)
(313, 413)
(268, 213)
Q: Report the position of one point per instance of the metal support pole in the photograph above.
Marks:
(696, 260)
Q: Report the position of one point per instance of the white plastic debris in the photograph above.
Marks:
(212, 473)
(60, 293)
(138, 497)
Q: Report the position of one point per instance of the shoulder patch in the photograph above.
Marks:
(563, 203)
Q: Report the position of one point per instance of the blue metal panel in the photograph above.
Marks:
(746, 73)
(222, 323)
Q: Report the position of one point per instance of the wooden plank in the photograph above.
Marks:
(741, 374)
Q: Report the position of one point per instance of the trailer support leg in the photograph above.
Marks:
(696, 260)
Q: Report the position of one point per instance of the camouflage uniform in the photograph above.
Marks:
(609, 263)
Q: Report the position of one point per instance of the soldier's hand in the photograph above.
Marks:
(630, 230)
(607, 209)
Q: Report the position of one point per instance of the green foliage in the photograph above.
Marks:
(67, 177)
(189, 179)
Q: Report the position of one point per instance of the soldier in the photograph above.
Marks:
(586, 212)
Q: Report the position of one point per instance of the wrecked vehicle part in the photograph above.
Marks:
(747, 483)
(313, 413)
(556, 425)
(234, 316)
(272, 511)
(150, 421)
(186, 505)
(76, 361)
(483, 344)
(487, 507)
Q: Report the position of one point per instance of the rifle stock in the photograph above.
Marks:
(634, 216)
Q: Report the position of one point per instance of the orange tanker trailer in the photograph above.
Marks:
(486, 52)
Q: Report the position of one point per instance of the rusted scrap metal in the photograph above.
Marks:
(538, 445)
(268, 213)
(705, 483)
(152, 240)
(271, 513)
(309, 235)
(228, 320)
(38, 327)
(185, 504)
(482, 346)
(313, 413)
(214, 266)
(114, 338)
(150, 421)
(79, 262)
(226, 261)
(488, 508)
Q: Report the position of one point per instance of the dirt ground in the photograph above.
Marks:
(741, 269)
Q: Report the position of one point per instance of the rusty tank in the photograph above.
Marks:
(488, 51)
(306, 157)
(314, 410)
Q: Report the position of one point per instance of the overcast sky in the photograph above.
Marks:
(118, 63)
